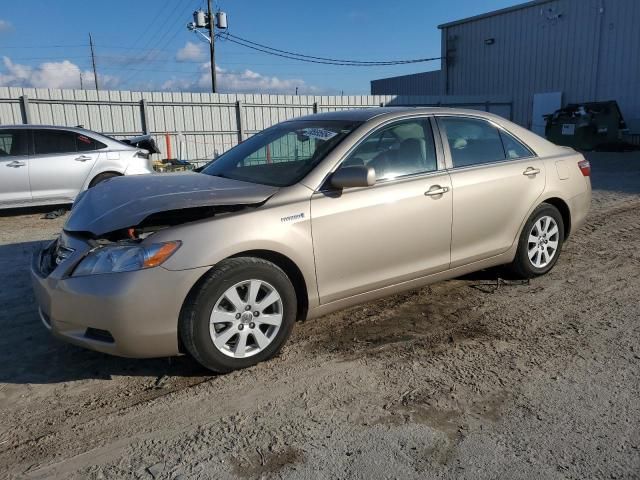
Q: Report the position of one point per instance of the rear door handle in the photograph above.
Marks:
(16, 164)
(530, 171)
(82, 158)
(436, 190)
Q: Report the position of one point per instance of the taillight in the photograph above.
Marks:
(585, 167)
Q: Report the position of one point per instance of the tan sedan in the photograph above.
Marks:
(309, 216)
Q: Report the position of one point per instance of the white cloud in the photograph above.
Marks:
(66, 74)
(246, 81)
(5, 26)
(63, 74)
(191, 52)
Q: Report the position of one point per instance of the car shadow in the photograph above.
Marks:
(16, 212)
(28, 352)
(493, 279)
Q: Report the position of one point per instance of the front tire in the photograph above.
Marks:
(540, 242)
(240, 314)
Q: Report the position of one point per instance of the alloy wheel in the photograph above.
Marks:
(246, 318)
(543, 241)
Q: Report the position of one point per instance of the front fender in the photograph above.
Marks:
(283, 229)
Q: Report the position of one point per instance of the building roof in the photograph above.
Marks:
(494, 13)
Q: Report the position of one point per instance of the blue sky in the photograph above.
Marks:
(144, 45)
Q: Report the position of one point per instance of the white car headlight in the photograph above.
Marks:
(125, 258)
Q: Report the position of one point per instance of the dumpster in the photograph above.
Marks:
(586, 126)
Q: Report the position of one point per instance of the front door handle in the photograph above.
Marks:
(16, 164)
(436, 190)
(82, 158)
(530, 171)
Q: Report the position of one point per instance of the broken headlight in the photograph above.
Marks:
(125, 258)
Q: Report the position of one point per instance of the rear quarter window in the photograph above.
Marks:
(87, 144)
(513, 148)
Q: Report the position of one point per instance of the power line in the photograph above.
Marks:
(312, 59)
(165, 32)
(149, 24)
(160, 33)
(49, 58)
(46, 46)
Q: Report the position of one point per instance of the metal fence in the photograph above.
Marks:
(198, 126)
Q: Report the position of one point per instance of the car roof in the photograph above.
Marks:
(111, 142)
(368, 113)
(52, 127)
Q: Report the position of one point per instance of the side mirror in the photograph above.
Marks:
(356, 176)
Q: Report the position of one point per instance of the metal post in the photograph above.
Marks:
(212, 47)
(93, 62)
(239, 121)
(24, 109)
(167, 143)
(143, 116)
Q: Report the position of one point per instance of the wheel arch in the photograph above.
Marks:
(292, 271)
(564, 210)
(94, 176)
(288, 266)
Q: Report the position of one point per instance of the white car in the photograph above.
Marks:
(42, 165)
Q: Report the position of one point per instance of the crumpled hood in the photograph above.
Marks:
(124, 202)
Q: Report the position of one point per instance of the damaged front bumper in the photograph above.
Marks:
(130, 314)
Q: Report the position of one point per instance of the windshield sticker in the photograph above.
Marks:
(319, 133)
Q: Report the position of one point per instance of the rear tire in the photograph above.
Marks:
(241, 313)
(102, 177)
(540, 242)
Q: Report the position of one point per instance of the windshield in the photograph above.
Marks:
(283, 154)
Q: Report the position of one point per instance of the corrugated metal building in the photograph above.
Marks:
(580, 50)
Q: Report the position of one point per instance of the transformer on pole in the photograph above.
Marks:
(210, 22)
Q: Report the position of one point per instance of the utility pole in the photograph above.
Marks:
(209, 21)
(212, 45)
(81, 84)
(93, 61)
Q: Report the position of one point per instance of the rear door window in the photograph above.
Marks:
(13, 143)
(472, 141)
(54, 141)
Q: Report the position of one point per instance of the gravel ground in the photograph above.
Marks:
(468, 378)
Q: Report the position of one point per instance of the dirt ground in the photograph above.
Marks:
(464, 379)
